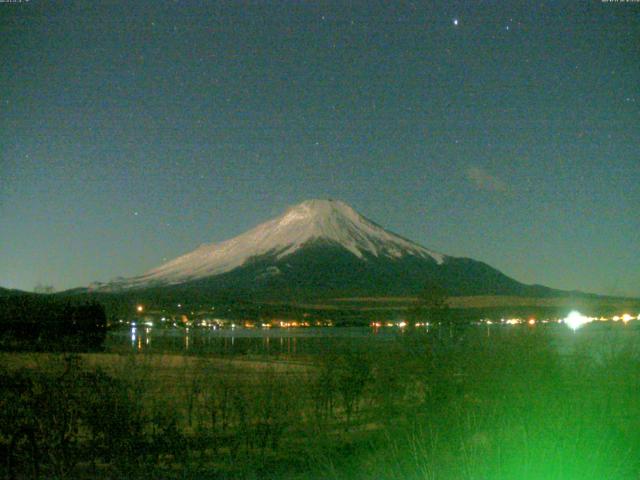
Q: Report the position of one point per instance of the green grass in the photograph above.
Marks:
(426, 406)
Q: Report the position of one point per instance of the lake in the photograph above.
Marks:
(597, 339)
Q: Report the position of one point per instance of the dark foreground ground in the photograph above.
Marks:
(424, 406)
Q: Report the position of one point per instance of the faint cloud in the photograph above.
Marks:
(484, 180)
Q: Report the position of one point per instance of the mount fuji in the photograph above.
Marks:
(321, 248)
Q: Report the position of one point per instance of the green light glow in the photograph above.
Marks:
(575, 320)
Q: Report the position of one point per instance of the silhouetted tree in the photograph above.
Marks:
(432, 306)
(353, 373)
(30, 322)
(39, 288)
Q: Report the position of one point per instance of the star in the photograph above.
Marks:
(455, 22)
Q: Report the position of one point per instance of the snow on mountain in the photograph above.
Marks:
(328, 220)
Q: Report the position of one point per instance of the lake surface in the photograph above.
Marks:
(597, 340)
(239, 341)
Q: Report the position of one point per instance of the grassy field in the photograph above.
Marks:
(427, 406)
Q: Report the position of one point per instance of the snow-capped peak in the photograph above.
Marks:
(328, 220)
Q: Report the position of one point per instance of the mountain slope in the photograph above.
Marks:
(323, 270)
(328, 220)
(321, 248)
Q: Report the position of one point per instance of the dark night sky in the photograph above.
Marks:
(508, 132)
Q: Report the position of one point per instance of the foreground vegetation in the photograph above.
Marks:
(427, 406)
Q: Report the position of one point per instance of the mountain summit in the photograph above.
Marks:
(321, 247)
(331, 221)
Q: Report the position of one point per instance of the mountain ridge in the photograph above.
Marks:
(318, 249)
(300, 225)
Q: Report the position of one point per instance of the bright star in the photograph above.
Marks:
(455, 22)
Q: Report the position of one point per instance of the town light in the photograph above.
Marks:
(575, 320)
(139, 308)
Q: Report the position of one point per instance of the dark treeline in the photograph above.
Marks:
(38, 322)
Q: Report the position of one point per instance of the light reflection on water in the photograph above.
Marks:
(289, 341)
(597, 340)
